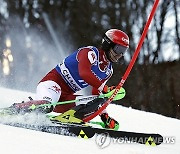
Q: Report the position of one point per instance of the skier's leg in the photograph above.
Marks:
(86, 109)
(46, 93)
(77, 113)
(65, 107)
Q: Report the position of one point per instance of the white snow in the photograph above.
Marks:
(22, 141)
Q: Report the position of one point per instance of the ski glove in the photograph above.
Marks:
(107, 89)
(109, 122)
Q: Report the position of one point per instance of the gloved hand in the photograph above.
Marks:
(109, 122)
(107, 89)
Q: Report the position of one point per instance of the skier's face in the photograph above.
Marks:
(114, 57)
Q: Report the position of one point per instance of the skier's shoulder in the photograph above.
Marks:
(88, 48)
(89, 52)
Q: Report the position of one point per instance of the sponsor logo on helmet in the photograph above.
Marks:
(125, 40)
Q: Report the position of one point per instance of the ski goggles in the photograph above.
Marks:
(119, 49)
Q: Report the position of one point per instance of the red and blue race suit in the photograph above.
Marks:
(84, 67)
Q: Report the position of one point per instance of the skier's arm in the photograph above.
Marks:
(105, 90)
(95, 91)
(86, 59)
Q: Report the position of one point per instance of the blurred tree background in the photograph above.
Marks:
(35, 35)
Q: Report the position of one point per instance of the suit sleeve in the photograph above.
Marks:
(86, 59)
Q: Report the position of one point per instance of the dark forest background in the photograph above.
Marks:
(35, 35)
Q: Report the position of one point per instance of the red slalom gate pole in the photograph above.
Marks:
(130, 66)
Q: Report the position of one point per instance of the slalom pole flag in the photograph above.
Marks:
(130, 66)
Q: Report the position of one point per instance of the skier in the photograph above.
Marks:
(86, 66)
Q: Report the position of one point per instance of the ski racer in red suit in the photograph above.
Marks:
(86, 66)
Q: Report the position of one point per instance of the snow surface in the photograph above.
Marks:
(22, 141)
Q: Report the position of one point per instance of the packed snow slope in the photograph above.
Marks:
(22, 141)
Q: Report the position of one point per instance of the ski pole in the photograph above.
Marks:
(121, 94)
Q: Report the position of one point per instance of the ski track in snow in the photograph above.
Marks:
(23, 141)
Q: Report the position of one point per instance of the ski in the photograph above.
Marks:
(87, 132)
